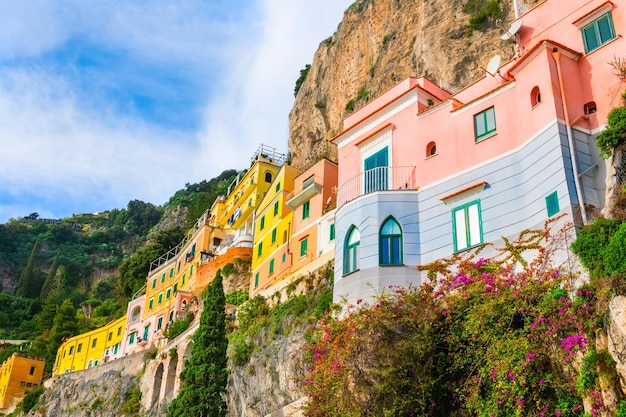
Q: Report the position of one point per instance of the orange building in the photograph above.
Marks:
(18, 375)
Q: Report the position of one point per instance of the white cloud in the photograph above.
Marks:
(258, 94)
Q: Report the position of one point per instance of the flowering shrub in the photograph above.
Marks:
(482, 337)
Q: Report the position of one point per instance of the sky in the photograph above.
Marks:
(103, 102)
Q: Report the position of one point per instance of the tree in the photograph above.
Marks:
(205, 374)
(65, 326)
(49, 283)
(29, 284)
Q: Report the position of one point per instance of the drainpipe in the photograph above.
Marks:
(570, 137)
(515, 7)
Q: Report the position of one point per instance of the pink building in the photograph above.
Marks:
(423, 173)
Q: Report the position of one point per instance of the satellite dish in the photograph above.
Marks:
(493, 66)
(512, 32)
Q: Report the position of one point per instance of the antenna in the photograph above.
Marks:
(493, 66)
(512, 32)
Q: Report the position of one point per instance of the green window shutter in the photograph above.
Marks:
(306, 207)
(485, 124)
(160, 300)
(168, 293)
(272, 266)
(154, 283)
(151, 304)
(191, 270)
(304, 243)
(276, 209)
(390, 243)
(332, 231)
(256, 280)
(598, 32)
(552, 204)
(131, 338)
(467, 226)
(259, 250)
(278, 187)
(351, 251)
(274, 235)
(172, 272)
(163, 278)
(262, 223)
(284, 257)
(184, 275)
(175, 287)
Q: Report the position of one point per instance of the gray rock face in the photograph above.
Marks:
(99, 391)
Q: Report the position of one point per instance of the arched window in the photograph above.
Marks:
(390, 243)
(268, 177)
(431, 149)
(351, 252)
(135, 314)
(535, 96)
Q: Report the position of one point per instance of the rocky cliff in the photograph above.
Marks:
(378, 44)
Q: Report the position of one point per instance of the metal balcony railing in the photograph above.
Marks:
(376, 179)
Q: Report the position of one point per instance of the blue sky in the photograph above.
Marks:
(103, 102)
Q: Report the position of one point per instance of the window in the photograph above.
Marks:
(168, 293)
(268, 177)
(80, 347)
(160, 300)
(151, 304)
(177, 270)
(332, 232)
(154, 283)
(598, 32)
(90, 364)
(32, 370)
(552, 204)
(146, 332)
(71, 350)
(162, 278)
(284, 257)
(259, 251)
(304, 243)
(306, 209)
(277, 187)
(131, 338)
(274, 236)
(160, 323)
(485, 124)
(184, 276)
(390, 243)
(191, 270)
(351, 252)
(467, 226)
(175, 287)
(262, 223)
(272, 266)
(590, 108)
(276, 209)
(116, 348)
(172, 271)
(110, 336)
(431, 149)
(535, 96)
(94, 343)
(171, 316)
(256, 280)
(119, 330)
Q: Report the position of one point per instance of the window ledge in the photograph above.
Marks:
(484, 138)
(351, 272)
(391, 265)
(431, 156)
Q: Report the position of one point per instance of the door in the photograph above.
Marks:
(375, 172)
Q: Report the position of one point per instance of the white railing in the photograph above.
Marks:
(377, 179)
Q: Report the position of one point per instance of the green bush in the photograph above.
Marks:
(31, 399)
(350, 106)
(591, 243)
(178, 327)
(303, 74)
(614, 134)
(132, 402)
(237, 297)
(482, 12)
(228, 270)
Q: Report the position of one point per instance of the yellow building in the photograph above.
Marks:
(18, 375)
(272, 231)
(91, 348)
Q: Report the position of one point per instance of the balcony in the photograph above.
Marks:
(377, 179)
(303, 192)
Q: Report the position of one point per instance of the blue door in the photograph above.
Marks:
(375, 172)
